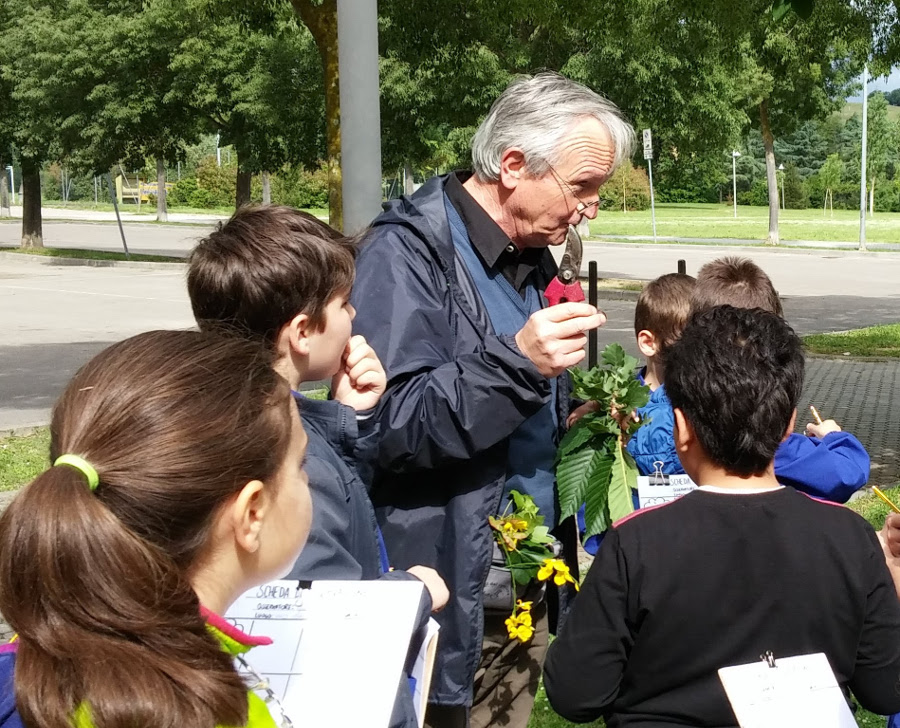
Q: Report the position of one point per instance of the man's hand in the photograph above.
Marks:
(580, 411)
(890, 544)
(361, 380)
(554, 337)
(434, 584)
(827, 426)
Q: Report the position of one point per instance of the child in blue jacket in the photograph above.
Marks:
(826, 463)
(282, 277)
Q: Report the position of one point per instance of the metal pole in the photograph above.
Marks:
(734, 182)
(592, 299)
(218, 152)
(360, 112)
(682, 267)
(12, 183)
(115, 201)
(96, 196)
(652, 203)
(862, 179)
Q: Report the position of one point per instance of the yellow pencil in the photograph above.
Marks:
(887, 500)
(815, 414)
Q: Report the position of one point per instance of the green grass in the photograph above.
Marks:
(23, 458)
(870, 341)
(83, 254)
(717, 221)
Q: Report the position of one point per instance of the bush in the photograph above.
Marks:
(795, 195)
(628, 183)
(201, 198)
(298, 187)
(181, 193)
(887, 195)
(219, 183)
(757, 195)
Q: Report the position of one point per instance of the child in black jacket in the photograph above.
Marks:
(742, 566)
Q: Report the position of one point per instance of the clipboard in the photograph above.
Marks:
(339, 647)
(786, 693)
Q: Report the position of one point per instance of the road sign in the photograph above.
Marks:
(648, 145)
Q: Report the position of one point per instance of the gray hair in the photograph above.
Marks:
(534, 113)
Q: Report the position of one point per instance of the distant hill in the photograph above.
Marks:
(851, 109)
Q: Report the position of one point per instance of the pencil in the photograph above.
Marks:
(815, 414)
(887, 500)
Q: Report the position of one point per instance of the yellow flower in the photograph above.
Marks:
(512, 627)
(525, 619)
(558, 569)
(523, 606)
(524, 633)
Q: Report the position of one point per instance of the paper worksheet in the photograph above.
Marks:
(339, 647)
(796, 691)
(654, 490)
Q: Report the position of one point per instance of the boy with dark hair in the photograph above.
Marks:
(282, 277)
(826, 462)
(763, 568)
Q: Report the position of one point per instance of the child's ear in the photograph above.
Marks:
(647, 343)
(790, 428)
(684, 432)
(294, 337)
(246, 514)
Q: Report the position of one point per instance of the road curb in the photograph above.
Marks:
(54, 260)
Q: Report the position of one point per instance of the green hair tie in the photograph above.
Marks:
(83, 466)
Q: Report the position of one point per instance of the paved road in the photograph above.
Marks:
(54, 318)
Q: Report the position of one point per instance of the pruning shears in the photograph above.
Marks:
(565, 286)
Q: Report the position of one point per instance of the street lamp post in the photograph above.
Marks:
(862, 171)
(734, 155)
(781, 169)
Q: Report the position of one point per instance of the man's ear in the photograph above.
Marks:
(246, 513)
(512, 168)
(790, 428)
(294, 337)
(647, 343)
(684, 432)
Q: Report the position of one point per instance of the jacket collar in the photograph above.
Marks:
(232, 640)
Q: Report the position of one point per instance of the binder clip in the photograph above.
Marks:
(657, 477)
(768, 658)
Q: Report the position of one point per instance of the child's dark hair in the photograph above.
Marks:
(264, 266)
(663, 308)
(95, 582)
(737, 374)
(737, 282)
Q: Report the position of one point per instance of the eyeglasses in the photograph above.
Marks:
(581, 207)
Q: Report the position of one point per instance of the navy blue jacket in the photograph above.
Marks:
(9, 716)
(456, 392)
(344, 541)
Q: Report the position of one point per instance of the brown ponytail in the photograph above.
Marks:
(96, 583)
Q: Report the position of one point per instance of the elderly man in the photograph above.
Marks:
(449, 293)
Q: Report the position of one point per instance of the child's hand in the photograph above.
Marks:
(580, 411)
(361, 380)
(889, 536)
(825, 428)
(434, 584)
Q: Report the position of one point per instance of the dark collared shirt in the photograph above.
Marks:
(490, 242)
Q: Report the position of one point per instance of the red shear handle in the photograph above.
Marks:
(558, 293)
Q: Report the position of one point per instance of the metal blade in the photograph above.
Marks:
(570, 266)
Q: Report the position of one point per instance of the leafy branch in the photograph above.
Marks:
(592, 465)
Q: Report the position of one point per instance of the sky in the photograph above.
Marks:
(888, 83)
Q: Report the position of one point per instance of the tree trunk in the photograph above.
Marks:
(872, 197)
(266, 189)
(32, 227)
(409, 185)
(242, 189)
(321, 20)
(162, 211)
(4, 192)
(771, 178)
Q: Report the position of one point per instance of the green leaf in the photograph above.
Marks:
(574, 476)
(623, 479)
(596, 510)
(541, 534)
(577, 436)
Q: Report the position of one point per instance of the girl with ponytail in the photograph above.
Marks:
(176, 485)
